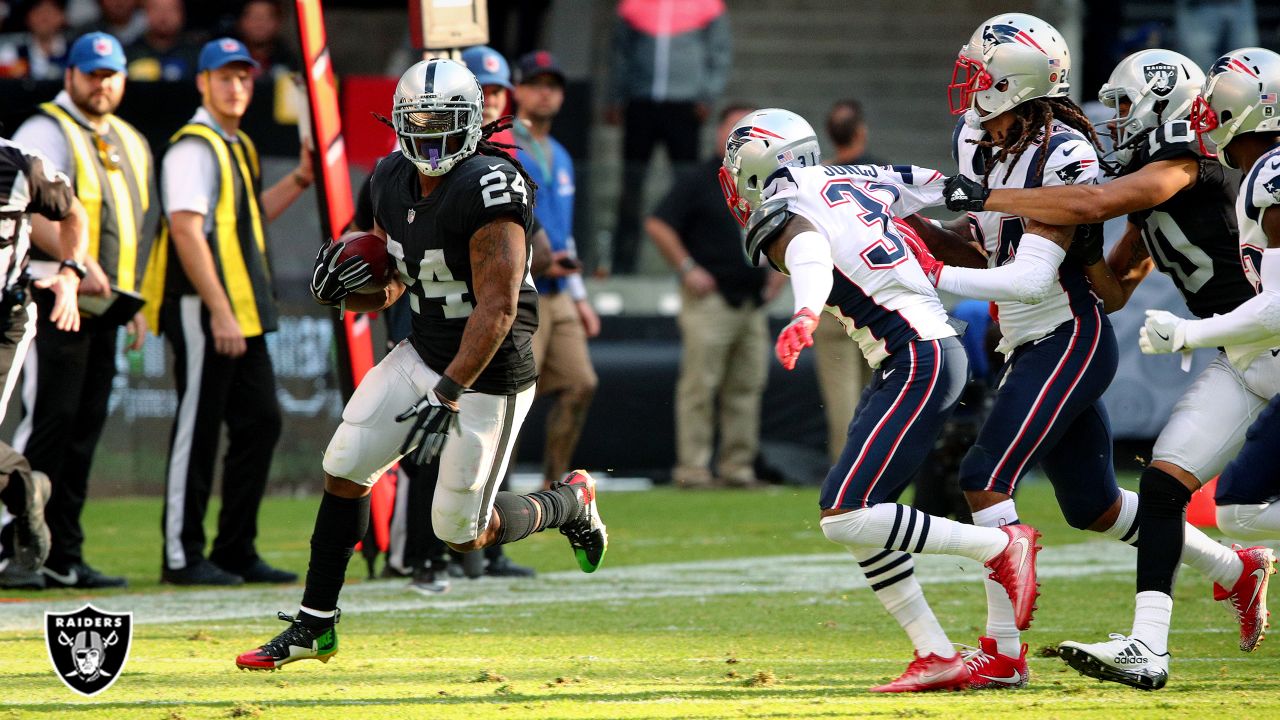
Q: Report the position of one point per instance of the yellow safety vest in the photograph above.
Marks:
(114, 189)
(237, 241)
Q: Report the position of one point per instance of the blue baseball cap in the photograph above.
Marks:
(488, 65)
(223, 51)
(96, 51)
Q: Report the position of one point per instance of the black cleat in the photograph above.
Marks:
(260, 572)
(501, 566)
(297, 642)
(586, 533)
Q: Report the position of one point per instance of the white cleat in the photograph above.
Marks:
(1122, 659)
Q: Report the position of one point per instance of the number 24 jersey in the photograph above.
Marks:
(430, 240)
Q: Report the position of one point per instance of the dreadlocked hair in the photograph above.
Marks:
(489, 147)
(492, 148)
(1032, 124)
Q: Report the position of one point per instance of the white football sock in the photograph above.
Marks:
(898, 527)
(317, 613)
(1217, 562)
(891, 574)
(1125, 528)
(1152, 611)
(1001, 622)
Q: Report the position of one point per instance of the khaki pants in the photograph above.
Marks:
(842, 373)
(722, 373)
(565, 371)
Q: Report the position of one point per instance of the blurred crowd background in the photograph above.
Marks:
(645, 82)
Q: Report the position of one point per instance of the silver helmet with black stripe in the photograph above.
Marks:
(437, 112)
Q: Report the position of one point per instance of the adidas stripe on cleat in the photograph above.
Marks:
(1122, 659)
(297, 642)
(586, 533)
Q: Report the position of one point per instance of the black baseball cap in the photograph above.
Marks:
(538, 62)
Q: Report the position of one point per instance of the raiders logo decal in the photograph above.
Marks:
(88, 647)
(1161, 77)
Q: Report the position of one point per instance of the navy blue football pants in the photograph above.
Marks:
(901, 412)
(1048, 411)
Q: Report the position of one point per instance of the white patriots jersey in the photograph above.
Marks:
(1259, 191)
(879, 294)
(1072, 161)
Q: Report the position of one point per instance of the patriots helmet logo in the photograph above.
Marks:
(743, 135)
(993, 35)
(1071, 171)
(1230, 63)
(1161, 77)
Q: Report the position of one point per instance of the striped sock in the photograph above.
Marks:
(891, 574)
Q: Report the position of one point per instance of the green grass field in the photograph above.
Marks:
(710, 605)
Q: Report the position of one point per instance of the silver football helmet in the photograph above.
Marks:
(1241, 95)
(1159, 85)
(759, 144)
(1009, 59)
(437, 113)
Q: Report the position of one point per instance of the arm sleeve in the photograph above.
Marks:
(42, 134)
(1254, 320)
(575, 286)
(1028, 279)
(189, 177)
(809, 264)
(51, 193)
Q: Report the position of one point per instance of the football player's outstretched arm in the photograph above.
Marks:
(804, 254)
(1085, 203)
(1255, 320)
(497, 269)
(1028, 279)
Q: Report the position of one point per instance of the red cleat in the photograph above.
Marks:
(1248, 597)
(1015, 569)
(989, 670)
(929, 673)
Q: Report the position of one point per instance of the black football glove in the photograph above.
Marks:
(433, 421)
(331, 281)
(964, 195)
(1086, 245)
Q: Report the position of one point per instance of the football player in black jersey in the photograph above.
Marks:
(454, 210)
(1181, 221)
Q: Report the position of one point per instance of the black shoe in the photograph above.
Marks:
(80, 575)
(389, 572)
(202, 573)
(430, 580)
(260, 572)
(502, 566)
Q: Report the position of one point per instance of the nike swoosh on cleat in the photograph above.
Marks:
(1259, 576)
(1014, 678)
(933, 676)
(1022, 544)
(70, 578)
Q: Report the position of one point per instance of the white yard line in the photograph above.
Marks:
(797, 574)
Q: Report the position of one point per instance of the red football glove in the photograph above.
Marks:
(932, 266)
(796, 336)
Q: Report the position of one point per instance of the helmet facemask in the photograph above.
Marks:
(969, 76)
(436, 134)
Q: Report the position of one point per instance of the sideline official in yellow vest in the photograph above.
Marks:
(67, 380)
(210, 272)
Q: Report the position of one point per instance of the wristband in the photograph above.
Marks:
(448, 389)
(297, 179)
(76, 267)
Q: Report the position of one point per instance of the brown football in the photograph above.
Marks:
(374, 251)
